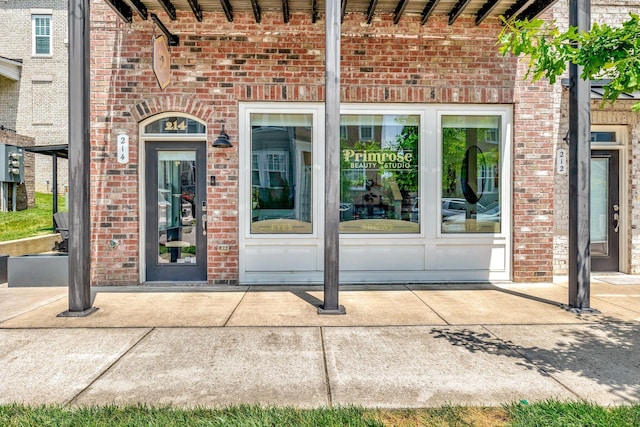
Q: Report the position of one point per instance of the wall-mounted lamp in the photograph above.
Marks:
(566, 138)
(223, 140)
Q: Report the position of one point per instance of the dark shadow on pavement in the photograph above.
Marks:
(605, 352)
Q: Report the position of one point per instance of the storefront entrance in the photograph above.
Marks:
(175, 215)
(605, 210)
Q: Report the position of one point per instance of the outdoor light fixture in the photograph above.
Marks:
(223, 140)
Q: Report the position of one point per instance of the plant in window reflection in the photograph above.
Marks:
(277, 196)
(455, 144)
(379, 180)
(255, 198)
(453, 148)
(407, 142)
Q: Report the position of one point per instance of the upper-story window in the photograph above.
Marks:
(41, 35)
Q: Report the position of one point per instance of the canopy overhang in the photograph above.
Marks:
(10, 68)
(480, 9)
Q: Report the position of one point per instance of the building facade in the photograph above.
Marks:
(452, 165)
(447, 156)
(33, 86)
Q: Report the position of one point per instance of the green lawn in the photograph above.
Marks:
(30, 222)
(549, 413)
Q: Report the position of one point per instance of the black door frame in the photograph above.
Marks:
(174, 272)
(610, 262)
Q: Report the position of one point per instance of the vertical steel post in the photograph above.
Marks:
(79, 161)
(54, 185)
(579, 171)
(332, 161)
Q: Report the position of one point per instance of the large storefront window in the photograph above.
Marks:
(281, 173)
(379, 173)
(470, 174)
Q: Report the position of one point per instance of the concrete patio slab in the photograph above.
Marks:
(379, 306)
(216, 367)
(47, 366)
(613, 301)
(597, 362)
(139, 309)
(17, 301)
(492, 306)
(424, 366)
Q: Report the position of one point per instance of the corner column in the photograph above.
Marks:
(579, 172)
(332, 161)
(80, 303)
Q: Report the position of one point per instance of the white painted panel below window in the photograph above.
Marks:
(381, 258)
(281, 258)
(470, 258)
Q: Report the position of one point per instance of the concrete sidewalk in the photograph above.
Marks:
(397, 346)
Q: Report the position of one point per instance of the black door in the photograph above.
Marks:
(605, 210)
(176, 227)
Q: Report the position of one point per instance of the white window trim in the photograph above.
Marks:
(505, 190)
(619, 130)
(498, 246)
(33, 35)
(246, 163)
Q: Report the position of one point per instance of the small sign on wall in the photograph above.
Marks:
(123, 148)
(561, 161)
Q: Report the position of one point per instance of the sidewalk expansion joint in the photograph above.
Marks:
(326, 370)
(226, 322)
(108, 368)
(428, 306)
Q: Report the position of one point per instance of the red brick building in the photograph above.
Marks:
(447, 153)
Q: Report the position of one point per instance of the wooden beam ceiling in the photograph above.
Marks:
(121, 9)
(195, 8)
(521, 9)
(139, 8)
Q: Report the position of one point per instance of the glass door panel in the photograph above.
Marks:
(175, 194)
(176, 211)
(599, 206)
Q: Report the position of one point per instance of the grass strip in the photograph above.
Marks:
(547, 413)
(572, 414)
(30, 222)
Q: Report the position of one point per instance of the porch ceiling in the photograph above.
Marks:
(480, 9)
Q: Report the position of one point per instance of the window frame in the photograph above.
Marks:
(367, 113)
(429, 201)
(504, 149)
(34, 36)
(245, 182)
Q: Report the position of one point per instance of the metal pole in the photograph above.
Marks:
(14, 196)
(579, 171)
(54, 189)
(79, 161)
(332, 161)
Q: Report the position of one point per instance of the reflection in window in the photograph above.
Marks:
(176, 207)
(281, 173)
(379, 174)
(470, 174)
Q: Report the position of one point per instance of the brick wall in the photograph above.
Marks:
(9, 98)
(219, 64)
(37, 106)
